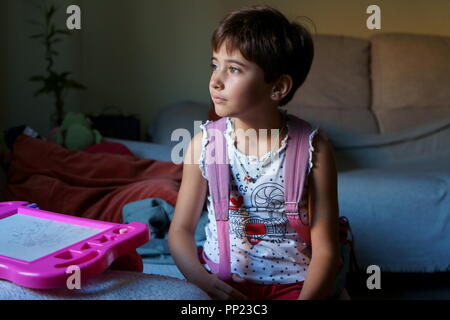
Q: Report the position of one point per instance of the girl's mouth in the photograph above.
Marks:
(218, 100)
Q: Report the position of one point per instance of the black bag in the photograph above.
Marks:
(112, 123)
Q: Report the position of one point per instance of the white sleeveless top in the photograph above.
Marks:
(264, 248)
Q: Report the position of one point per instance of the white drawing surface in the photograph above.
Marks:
(28, 238)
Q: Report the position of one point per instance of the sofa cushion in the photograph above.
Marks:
(410, 79)
(338, 120)
(339, 75)
(336, 92)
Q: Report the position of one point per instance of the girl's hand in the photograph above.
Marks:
(220, 290)
(237, 278)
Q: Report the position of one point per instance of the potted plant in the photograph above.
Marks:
(54, 83)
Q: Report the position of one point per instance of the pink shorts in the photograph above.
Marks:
(255, 291)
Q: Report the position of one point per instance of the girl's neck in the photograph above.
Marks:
(264, 126)
(264, 120)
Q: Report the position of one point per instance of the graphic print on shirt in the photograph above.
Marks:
(268, 197)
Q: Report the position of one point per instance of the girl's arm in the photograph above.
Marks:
(324, 217)
(190, 201)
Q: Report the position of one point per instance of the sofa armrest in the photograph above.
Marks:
(417, 145)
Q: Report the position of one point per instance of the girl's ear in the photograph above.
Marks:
(282, 87)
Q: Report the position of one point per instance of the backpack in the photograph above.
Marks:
(294, 172)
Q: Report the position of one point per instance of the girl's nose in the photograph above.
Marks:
(216, 81)
(217, 85)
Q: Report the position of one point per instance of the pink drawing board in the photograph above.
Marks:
(37, 247)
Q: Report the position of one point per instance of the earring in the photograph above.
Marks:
(274, 95)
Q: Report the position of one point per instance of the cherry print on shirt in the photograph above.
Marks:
(255, 231)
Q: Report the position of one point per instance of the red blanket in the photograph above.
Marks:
(94, 186)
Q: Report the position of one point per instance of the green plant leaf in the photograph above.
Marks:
(74, 84)
(65, 74)
(50, 12)
(45, 89)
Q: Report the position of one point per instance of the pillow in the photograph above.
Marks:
(180, 115)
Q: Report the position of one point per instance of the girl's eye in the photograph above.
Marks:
(237, 70)
(213, 66)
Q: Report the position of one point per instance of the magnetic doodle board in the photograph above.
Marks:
(37, 246)
(28, 238)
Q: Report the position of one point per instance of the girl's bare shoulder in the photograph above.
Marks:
(323, 149)
(194, 149)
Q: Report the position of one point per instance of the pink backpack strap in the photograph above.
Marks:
(219, 187)
(295, 166)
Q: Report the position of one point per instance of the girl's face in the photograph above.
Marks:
(240, 84)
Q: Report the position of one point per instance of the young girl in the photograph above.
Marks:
(259, 61)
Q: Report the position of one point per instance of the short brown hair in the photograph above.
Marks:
(266, 37)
